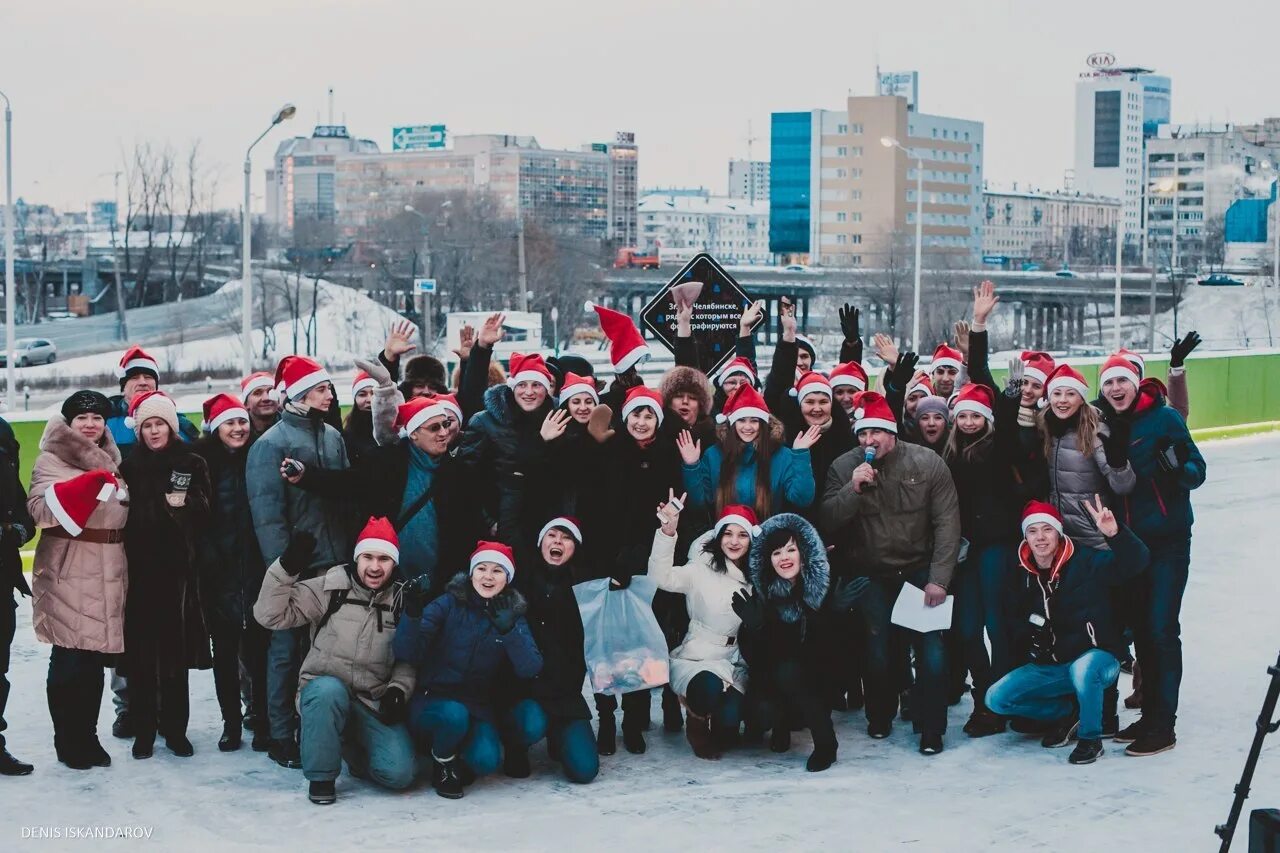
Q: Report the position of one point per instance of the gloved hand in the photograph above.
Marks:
(13, 536)
(1013, 388)
(377, 372)
(628, 379)
(394, 707)
(1181, 349)
(1116, 445)
(620, 582)
(503, 616)
(846, 593)
(1171, 455)
(903, 369)
(298, 553)
(598, 423)
(413, 596)
(849, 322)
(750, 609)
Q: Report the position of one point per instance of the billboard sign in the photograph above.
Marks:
(904, 84)
(718, 301)
(418, 137)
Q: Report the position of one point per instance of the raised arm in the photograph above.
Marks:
(284, 602)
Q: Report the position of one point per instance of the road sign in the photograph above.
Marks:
(417, 137)
(995, 259)
(424, 285)
(716, 312)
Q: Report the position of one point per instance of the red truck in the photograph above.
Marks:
(632, 258)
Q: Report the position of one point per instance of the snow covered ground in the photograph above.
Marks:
(999, 793)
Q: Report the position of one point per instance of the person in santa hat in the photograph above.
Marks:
(1175, 384)
(357, 428)
(1030, 371)
(565, 471)
(945, 369)
(1168, 467)
(303, 434)
(847, 379)
(809, 403)
(464, 643)
(744, 363)
(1067, 631)
(138, 373)
(902, 385)
(164, 629)
(78, 574)
(256, 394)
(352, 691)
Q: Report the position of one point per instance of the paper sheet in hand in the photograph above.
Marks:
(909, 611)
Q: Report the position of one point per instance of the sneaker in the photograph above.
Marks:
(633, 740)
(1061, 734)
(780, 739)
(1152, 742)
(231, 737)
(322, 793)
(606, 736)
(880, 730)
(444, 778)
(983, 723)
(1086, 751)
(10, 766)
(821, 759)
(123, 726)
(285, 753)
(180, 746)
(515, 764)
(1129, 733)
(930, 743)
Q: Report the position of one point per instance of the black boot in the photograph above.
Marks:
(780, 738)
(123, 726)
(68, 734)
(89, 699)
(179, 745)
(285, 753)
(322, 793)
(10, 766)
(672, 719)
(633, 740)
(445, 779)
(824, 749)
(606, 735)
(930, 743)
(904, 706)
(515, 763)
(144, 745)
(231, 737)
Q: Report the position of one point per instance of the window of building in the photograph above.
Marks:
(857, 129)
(1106, 129)
(842, 128)
(841, 216)
(842, 151)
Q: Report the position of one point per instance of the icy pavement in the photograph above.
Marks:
(998, 793)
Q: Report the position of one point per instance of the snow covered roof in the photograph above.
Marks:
(713, 205)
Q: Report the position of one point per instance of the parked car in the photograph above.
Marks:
(1221, 280)
(28, 351)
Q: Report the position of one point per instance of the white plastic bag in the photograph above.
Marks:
(624, 646)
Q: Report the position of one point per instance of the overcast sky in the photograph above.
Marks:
(88, 79)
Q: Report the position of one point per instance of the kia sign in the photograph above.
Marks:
(717, 301)
(1101, 60)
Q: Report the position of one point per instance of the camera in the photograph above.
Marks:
(1041, 639)
(291, 468)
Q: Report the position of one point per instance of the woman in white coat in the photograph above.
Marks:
(707, 670)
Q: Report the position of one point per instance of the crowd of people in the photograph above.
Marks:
(396, 589)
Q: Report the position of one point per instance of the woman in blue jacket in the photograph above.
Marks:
(460, 643)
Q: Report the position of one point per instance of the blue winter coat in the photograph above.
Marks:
(458, 651)
(790, 478)
(126, 438)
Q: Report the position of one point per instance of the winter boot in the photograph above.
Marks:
(515, 763)
(1062, 733)
(879, 730)
(824, 749)
(633, 740)
(231, 737)
(10, 766)
(698, 732)
(672, 720)
(1134, 700)
(284, 751)
(123, 726)
(261, 740)
(780, 739)
(144, 745)
(606, 735)
(1152, 741)
(635, 722)
(1086, 752)
(322, 793)
(179, 745)
(89, 699)
(982, 722)
(444, 777)
(930, 743)
(68, 735)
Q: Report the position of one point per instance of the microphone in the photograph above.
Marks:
(868, 454)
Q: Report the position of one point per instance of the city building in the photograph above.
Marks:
(734, 231)
(749, 179)
(1249, 230)
(839, 197)
(1031, 225)
(300, 183)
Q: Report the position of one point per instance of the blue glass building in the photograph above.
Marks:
(791, 152)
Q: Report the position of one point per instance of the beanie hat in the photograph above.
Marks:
(86, 403)
(849, 373)
(362, 381)
(134, 361)
(221, 408)
(1119, 366)
(494, 552)
(919, 382)
(416, 412)
(529, 368)
(1037, 365)
(932, 403)
(641, 396)
(565, 522)
(945, 356)
(575, 384)
(746, 402)
(1039, 512)
(566, 363)
(73, 501)
(806, 344)
(426, 370)
(1065, 376)
(871, 411)
(811, 383)
(378, 537)
(1135, 359)
(296, 375)
(626, 346)
(743, 516)
(738, 365)
(153, 404)
(973, 398)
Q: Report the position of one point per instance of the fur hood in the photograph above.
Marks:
(687, 380)
(460, 586)
(776, 431)
(76, 450)
(815, 573)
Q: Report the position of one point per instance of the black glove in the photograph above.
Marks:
(413, 596)
(298, 553)
(1181, 349)
(1172, 455)
(849, 322)
(903, 369)
(620, 583)
(502, 616)
(1116, 446)
(395, 706)
(13, 536)
(750, 609)
(846, 593)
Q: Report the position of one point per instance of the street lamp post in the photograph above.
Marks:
(9, 306)
(246, 270)
(890, 142)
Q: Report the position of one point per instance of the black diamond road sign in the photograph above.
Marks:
(716, 312)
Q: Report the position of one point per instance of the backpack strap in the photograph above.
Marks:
(337, 598)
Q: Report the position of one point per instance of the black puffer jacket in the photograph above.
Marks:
(986, 488)
(556, 625)
(17, 522)
(357, 433)
(230, 562)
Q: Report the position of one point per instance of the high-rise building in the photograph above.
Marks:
(1031, 225)
(749, 179)
(300, 184)
(841, 198)
(735, 231)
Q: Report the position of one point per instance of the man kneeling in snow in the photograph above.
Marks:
(1069, 630)
(351, 692)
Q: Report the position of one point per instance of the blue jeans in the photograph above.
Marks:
(447, 728)
(335, 723)
(284, 658)
(707, 696)
(571, 742)
(1052, 691)
(882, 674)
(980, 590)
(1157, 630)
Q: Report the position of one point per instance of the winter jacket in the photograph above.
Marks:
(555, 624)
(1074, 597)
(1159, 505)
(459, 653)
(230, 562)
(1075, 477)
(126, 439)
(279, 509)
(711, 644)
(78, 587)
(790, 476)
(986, 489)
(564, 476)
(908, 520)
(357, 434)
(352, 628)
(687, 355)
(15, 521)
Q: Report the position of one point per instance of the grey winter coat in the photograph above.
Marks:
(279, 508)
(1075, 477)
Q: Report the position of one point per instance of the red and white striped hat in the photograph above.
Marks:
(529, 368)
(567, 522)
(975, 398)
(221, 408)
(945, 356)
(296, 375)
(1119, 366)
(642, 396)
(494, 552)
(746, 402)
(378, 537)
(811, 383)
(849, 373)
(738, 365)
(575, 384)
(73, 501)
(136, 358)
(1066, 376)
(1039, 512)
(419, 410)
(254, 381)
(743, 516)
(871, 411)
(361, 382)
(626, 345)
(1037, 365)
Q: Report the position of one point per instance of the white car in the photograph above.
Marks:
(28, 351)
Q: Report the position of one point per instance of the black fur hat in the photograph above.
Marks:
(426, 370)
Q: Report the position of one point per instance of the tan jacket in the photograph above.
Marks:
(354, 645)
(78, 588)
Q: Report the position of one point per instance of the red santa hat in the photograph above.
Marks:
(450, 402)
(743, 516)
(1039, 512)
(849, 373)
(945, 356)
(1119, 366)
(494, 552)
(575, 384)
(153, 404)
(221, 408)
(626, 346)
(1037, 365)
(920, 383)
(362, 381)
(378, 537)
(296, 375)
(1135, 359)
(73, 501)
(253, 382)
(975, 398)
(1066, 376)
(745, 402)
(642, 395)
(871, 411)
(738, 365)
(417, 411)
(529, 368)
(811, 383)
(565, 522)
(135, 359)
